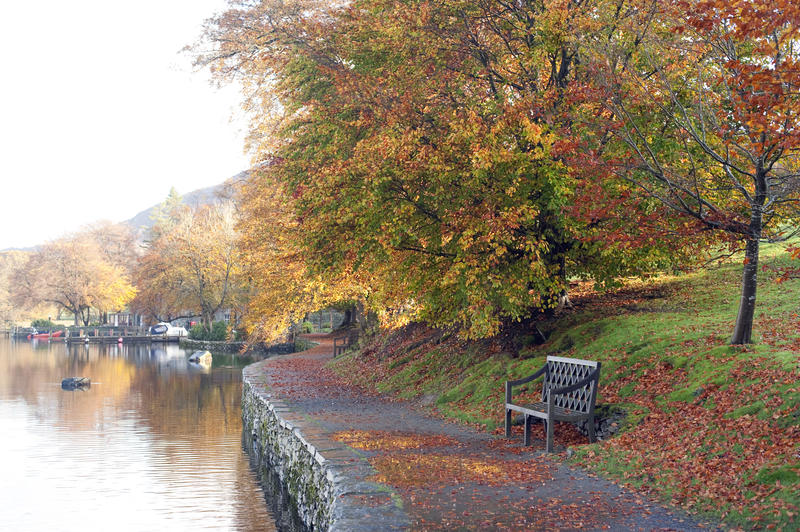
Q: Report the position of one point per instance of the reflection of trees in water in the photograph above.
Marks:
(198, 403)
(33, 372)
(192, 419)
(157, 385)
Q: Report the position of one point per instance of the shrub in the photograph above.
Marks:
(197, 332)
(307, 327)
(218, 332)
(43, 324)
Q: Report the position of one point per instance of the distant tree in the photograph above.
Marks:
(191, 265)
(117, 243)
(72, 273)
(160, 295)
(167, 213)
(10, 261)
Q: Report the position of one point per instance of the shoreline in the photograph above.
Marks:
(327, 482)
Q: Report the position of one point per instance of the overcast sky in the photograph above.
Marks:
(100, 114)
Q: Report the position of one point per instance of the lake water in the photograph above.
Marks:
(154, 444)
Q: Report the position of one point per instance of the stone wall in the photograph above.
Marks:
(235, 347)
(276, 446)
(327, 492)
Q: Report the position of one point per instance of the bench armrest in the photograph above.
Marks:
(524, 380)
(529, 378)
(580, 384)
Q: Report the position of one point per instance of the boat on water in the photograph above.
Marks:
(44, 336)
(168, 330)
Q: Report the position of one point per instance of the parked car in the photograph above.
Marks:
(167, 329)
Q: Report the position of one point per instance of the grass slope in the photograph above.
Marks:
(709, 427)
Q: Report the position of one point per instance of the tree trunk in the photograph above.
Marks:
(563, 300)
(348, 316)
(358, 315)
(742, 331)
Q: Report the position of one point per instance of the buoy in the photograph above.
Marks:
(119, 340)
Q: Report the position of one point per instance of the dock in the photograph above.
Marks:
(97, 335)
(116, 339)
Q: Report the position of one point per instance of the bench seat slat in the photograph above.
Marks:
(540, 410)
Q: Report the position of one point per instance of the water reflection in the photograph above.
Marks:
(154, 444)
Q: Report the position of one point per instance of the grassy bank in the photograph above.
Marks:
(709, 427)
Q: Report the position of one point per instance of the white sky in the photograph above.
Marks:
(100, 114)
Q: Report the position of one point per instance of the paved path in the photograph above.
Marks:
(448, 476)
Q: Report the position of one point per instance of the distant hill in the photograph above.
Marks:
(142, 222)
(203, 196)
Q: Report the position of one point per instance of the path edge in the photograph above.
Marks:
(325, 490)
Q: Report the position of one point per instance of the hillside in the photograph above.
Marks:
(705, 425)
(143, 221)
(203, 196)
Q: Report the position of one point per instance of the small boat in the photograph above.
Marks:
(168, 330)
(43, 336)
(161, 328)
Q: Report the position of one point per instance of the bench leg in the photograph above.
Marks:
(508, 423)
(590, 429)
(527, 439)
(549, 444)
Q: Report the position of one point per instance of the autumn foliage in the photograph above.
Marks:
(192, 264)
(74, 273)
(704, 96)
(465, 158)
(282, 287)
(442, 153)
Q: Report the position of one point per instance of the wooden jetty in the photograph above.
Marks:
(105, 335)
(116, 339)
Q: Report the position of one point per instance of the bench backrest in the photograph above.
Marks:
(562, 372)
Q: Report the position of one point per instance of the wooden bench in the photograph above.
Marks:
(569, 389)
(343, 343)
